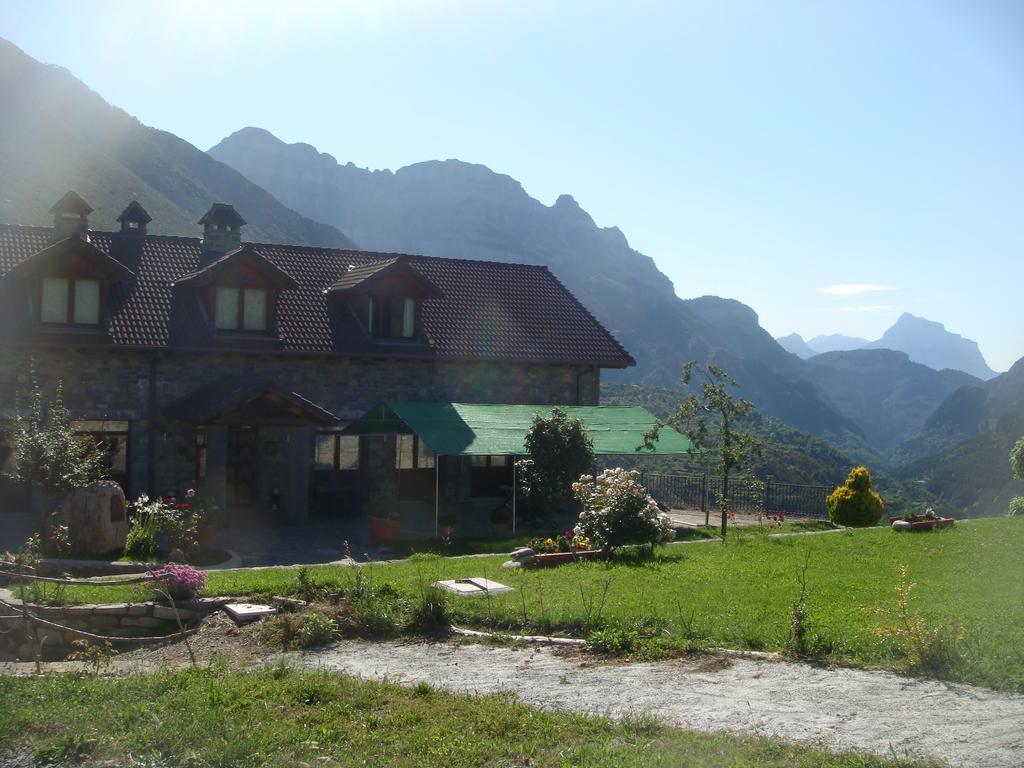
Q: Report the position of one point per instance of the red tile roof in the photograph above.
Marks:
(486, 311)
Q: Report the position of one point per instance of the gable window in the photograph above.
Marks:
(240, 309)
(411, 453)
(70, 301)
(392, 317)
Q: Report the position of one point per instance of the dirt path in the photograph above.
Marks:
(836, 709)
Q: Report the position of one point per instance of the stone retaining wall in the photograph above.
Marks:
(127, 620)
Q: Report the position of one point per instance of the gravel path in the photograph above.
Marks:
(836, 709)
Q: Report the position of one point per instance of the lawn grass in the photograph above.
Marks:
(286, 717)
(739, 594)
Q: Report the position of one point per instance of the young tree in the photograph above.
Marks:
(1017, 465)
(47, 453)
(710, 420)
(560, 451)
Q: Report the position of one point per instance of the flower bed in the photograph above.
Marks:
(558, 558)
(920, 523)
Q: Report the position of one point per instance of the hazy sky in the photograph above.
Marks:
(832, 164)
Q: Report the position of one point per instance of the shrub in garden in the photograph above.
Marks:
(617, 510)
(181, 582)
(46, 451)
(1016, 508)
(140, 543)
(181, 520)
(559, 452)
(855, 504)
(315, 629)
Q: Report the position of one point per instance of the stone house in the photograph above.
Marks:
(236, 365)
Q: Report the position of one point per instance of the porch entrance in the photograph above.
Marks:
(255, 446)
(240, 469)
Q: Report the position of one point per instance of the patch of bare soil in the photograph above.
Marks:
(839, 709)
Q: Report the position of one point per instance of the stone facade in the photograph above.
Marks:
(137, 385)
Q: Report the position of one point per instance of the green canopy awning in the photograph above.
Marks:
(463, 429)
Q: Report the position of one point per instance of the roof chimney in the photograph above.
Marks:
(134, 219)
(222, 230)
(70, 215)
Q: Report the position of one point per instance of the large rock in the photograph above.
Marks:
(95, 517)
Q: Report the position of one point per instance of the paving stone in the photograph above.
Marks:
(242, 613)
(471, 587)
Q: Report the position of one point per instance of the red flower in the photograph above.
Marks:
(182, 506)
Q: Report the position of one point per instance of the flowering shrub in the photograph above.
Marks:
(182, 582)
(182, 521)
(617, 510)
(568, 541)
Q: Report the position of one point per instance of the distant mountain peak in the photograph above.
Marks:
(928, 342)
(795, 343)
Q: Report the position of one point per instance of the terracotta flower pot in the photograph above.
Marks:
(383, 530)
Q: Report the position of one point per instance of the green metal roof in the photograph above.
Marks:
(461, 429)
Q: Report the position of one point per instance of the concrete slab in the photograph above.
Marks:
(243, 613)
(473, 587)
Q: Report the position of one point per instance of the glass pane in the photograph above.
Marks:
(55, 300)
(323, 457)
(372, 324)
(87, 302)
(403, 451)
(499, 461)
(478, 461)
(408, 316)
(255, 310)
(396, 311)
(227, 309)
(426, 457)
(348, 457)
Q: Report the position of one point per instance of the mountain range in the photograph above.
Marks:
(56, 135)
(871, 405)
(925, 341)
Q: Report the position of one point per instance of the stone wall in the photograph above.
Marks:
(116, 384)
(126, 620)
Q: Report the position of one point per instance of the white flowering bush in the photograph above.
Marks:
(617, 510)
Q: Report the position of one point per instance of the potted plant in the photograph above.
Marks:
(446, 524)
(920, 522)
(382, 508)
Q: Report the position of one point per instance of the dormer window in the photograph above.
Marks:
(70, 301)
(242, 309)
(392, 317)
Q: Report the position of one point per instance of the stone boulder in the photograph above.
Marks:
(96, 518)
